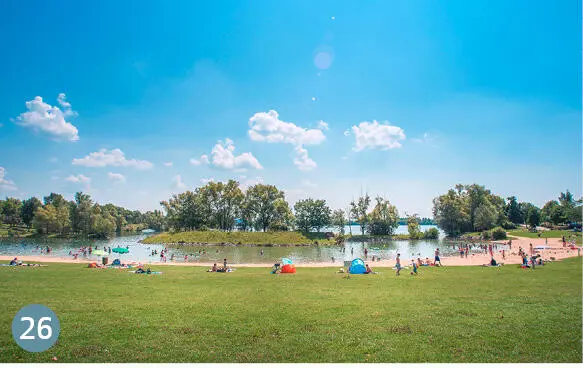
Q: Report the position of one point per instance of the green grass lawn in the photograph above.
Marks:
(547, 234)
(450, 314)
(215, 237)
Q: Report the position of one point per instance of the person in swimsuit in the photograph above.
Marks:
(398, 264)
(437, 259)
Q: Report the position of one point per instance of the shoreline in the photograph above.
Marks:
(556, 251)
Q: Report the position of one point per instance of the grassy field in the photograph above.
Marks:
(22, 231)
(547, 234)
(450, 314)
(216, 237)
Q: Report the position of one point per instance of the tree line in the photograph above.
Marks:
(263, 207)
(470, 208)
(81, 216)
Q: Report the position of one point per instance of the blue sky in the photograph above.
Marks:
(321, 98)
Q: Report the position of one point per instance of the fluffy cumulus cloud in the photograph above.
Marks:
(267, 127)
(78, 179)
(50, 119)
(302, 160)
(377, 136)
(116, 178)
(115, 157)
(223, 157)
(5, 183)
(178, 183)
(203, 160)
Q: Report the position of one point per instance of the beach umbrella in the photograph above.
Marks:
(100, 253)
(120, 250)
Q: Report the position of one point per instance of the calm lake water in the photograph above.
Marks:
(143, 252)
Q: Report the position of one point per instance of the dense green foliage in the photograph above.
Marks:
(57, 216)
(451, 314)
(312, 214)
(471, 208)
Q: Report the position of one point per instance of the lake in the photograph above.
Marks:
(242, 254)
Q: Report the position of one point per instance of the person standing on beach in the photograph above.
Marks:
(531, 250)
(503, 254)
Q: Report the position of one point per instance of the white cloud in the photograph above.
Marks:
(50, 119)
(78, 179)
(115, 157)
(206, 180)
(302, 161)
(5, 183)
(223, 157)
(323, 125)
(169, 164)
(377, 136)
(177, 180)
(309, 184)
(116, 178)
(267, 127)
(204, 160)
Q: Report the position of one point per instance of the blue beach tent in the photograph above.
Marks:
(357, 267)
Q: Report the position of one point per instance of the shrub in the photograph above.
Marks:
(508, 225)
(498, 233)
(431, 233)
(486, 235)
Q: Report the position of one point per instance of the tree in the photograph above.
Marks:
(28, 209)
(45, 219)
(513, 211)
(413, 226)
(485, 216)
(552, 212)
(261, 200)
(104, 225)
(384, 218)
(451, 214)
(338, 220)
(223, 201)
(284, 218)
(312, 214)
(532, 215)
(359, 211)
(11, 208)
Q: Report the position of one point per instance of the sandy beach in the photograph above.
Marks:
(557, 251)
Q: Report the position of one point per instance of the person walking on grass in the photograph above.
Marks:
(398, 265)
(414, 272)
(437, 259)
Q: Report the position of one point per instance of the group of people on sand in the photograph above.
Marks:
(225, 267)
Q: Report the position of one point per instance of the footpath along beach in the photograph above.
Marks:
(556, 251)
